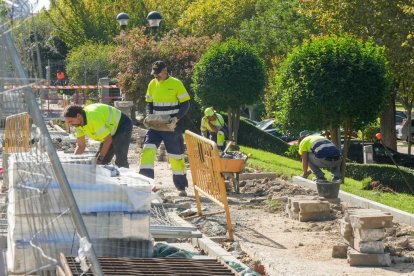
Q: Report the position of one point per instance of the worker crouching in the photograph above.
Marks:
(214, 127)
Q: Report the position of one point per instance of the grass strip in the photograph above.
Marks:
(286, 168)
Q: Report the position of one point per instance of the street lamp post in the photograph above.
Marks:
(122, 19)
(154, 18)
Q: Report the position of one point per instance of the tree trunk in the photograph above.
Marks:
(347, 137)
(389, 135)
(409, 129)
(233, 123)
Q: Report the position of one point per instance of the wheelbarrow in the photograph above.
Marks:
(232, 168)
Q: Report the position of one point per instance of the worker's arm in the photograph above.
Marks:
(106, 144)
(184, 107)
(213, 127)
(80, 145)
(149, 109)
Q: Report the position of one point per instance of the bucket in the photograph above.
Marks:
(328, 189)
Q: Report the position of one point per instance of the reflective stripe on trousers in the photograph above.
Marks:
(174, 144)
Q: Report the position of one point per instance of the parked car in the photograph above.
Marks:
(381, 154)
(402, 130)
(272, 127)
(253, 122)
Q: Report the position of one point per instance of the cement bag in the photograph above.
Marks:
(158, 122)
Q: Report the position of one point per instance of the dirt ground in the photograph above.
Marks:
(264, 234)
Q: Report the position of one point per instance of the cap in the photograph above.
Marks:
(209, 111)
(157, 67)
(304, 133)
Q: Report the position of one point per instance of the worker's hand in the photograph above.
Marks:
(173, 123)
(306, 174)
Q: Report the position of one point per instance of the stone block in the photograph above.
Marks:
(369, 247)
(356, 258)
(345, 228)
(313, 206)
(355, 211)
(371, 221)
(340, 251)
(369, 234)
(318, 216)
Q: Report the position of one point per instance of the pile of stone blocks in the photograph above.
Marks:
(364, 230)
(308, 208)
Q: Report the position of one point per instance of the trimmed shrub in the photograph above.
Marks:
(388, 175)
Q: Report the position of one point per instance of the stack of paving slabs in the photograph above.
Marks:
(308, 208)
(115, 208)
(364, 230)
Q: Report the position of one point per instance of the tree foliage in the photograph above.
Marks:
(229, 75)
(38, 45)
(137, 51)
(79, 22)
(276, 27)
(390, 24)
(88, 63)
(330, 82)
(215, 17)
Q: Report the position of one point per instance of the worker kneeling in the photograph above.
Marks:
(214, 127)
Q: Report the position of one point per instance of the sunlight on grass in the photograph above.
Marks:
(286, 168)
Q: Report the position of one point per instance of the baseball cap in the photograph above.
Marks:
(304, 133)
(157, 67)
(209, 111)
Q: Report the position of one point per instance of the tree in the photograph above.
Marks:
(79, 22)
(215, 17)
(88, 63)
(389, 23)
(332, 82)
(38, 45)
(276, 27)
(137, 51)
(229, 75)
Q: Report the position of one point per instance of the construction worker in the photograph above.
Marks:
(166, 95)
(318, 152)
(60, 78)
(213, 127)
(102, 123)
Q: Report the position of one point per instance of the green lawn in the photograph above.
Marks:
(286, 168)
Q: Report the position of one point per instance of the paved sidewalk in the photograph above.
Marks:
(283, 246)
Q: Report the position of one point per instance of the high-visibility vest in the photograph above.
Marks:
(166, 95)
(101, 120)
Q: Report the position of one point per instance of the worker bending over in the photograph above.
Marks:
(102, 123)
(213, 127)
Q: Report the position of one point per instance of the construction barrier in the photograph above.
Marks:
(17, 133)
(206, 169)
(73, 86)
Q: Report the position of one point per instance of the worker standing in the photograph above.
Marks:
(166, 95)
(318, 152)
(102, 123)
(213, 127)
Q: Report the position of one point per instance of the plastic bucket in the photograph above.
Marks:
(328, 189)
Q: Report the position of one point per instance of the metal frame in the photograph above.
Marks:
(206, 171)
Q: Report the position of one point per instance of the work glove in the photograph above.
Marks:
(173, 123)
(306, 174)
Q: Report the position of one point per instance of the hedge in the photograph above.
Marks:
(387, 175)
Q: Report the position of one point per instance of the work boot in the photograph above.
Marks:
(182, 193)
